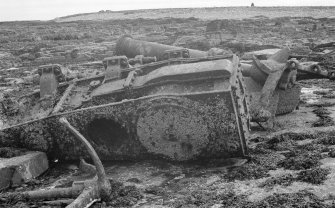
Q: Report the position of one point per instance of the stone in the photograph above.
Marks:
(5, 177)
(332, 153)
(17, 170)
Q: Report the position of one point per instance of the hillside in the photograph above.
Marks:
(206, 13)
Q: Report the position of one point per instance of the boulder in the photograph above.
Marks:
(17, 170)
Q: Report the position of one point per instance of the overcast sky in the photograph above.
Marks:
(49, 9)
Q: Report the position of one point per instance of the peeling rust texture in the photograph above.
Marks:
(192, 114)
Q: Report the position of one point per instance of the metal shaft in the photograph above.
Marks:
(103, 182)
(130, 47)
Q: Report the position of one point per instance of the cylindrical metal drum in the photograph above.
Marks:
(130, 47)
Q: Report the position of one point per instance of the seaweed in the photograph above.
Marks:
(315, 175)
(301, 160)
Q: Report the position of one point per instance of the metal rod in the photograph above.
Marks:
(103, 182)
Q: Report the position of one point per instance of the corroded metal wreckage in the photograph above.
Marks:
(270, 83)
(272, 86)
(181, 109)
(188, 105)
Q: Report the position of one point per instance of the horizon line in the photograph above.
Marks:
(112, 11)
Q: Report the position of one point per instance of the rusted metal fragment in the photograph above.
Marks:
(313, 70)
(48, 84)
(51, 75)
(113, 67)
(254, 95)
(267, 77)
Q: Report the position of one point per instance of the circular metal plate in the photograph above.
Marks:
(174, 131)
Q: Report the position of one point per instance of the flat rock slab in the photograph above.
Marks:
(17, 170)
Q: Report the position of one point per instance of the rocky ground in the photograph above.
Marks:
(291, 165)
(80, 46)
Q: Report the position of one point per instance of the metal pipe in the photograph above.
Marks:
(130, 47)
